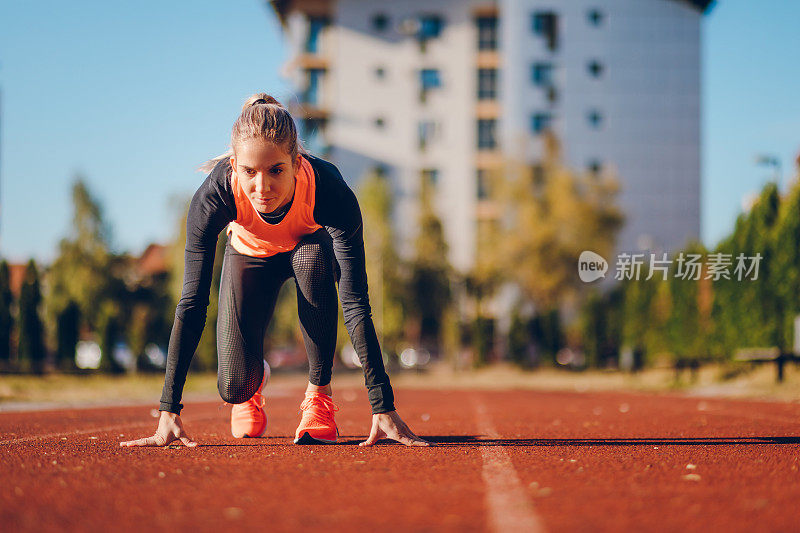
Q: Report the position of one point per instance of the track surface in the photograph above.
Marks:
(505, 461)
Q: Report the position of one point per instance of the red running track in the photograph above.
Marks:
(505, 461)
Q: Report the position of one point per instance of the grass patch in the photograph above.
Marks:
(746, 381)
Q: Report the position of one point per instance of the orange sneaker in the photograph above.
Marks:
(317, 425)
(248, 419)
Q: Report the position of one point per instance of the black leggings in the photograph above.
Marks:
(248, 291)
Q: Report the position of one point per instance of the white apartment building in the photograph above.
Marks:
(441, 88)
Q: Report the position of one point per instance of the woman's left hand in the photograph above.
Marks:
(390, 425)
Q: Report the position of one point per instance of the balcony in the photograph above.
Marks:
(488, 59)
(487, 11)
(492, 158)
(311, 61)
(487, 210)
(309, 111)
(487, 109)
(312, 8)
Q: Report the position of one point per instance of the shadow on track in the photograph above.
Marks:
(476, 440)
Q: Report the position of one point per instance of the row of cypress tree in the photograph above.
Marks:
(710, 319)
(86, 289)
(21, 317)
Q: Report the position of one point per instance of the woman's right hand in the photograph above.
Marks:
(170, 429)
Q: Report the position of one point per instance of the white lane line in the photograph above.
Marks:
(507, 503)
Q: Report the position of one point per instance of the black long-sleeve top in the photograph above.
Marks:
(336, 209)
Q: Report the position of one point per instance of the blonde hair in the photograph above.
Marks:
(262, 117)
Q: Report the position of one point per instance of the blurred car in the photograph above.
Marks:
(415, 358)
(349, 357)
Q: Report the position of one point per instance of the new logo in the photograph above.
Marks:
(591, 266)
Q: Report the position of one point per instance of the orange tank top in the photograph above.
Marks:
(251, 235)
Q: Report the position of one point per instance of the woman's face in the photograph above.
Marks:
(266, 173)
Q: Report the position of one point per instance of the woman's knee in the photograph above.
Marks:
(232, 392)
(238, 387)
(313, 257)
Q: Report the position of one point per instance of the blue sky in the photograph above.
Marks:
(135, 95)
(751, 84)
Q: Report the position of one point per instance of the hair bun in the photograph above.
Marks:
(260, 98)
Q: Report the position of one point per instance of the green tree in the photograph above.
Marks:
(748, 313)
(6, 319)
(430, 271)
(549, 216)
(601, 325)
(786, 263)
(518, 339)
(687, 326)
(382, 260)
(639, 303)
(481, 283)
(760, 293)
(67, 328)
(726, 308)
(83, 271)
(206, 353)
(109, 335)
(482, 339)
(149, 310)
(539, 218)
(547, 332)
(31, 340)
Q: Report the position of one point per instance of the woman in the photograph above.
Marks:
(288, 214)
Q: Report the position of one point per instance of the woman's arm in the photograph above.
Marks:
(336, 208)
(211, 209)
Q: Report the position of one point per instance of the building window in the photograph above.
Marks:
(542, 74)
(313, 78)
(430, 27)
(595, 17)
(315, 27)
(482, 182)
(540, 122)
(380, 73)
(487, 83)
(595, 68)
(428, 79)
(487, 133)
(430, 175)
(552, 94)
(545, 25)
(380, 122)
(380, 170)
(426, 131)
(380, 21)
(594, 166)
(595, 118)
(487, 33)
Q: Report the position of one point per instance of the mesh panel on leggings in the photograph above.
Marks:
(241, 367)
(317, 305)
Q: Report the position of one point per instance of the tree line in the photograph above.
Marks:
(713, 316)
(90, 292)
(521, 301)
